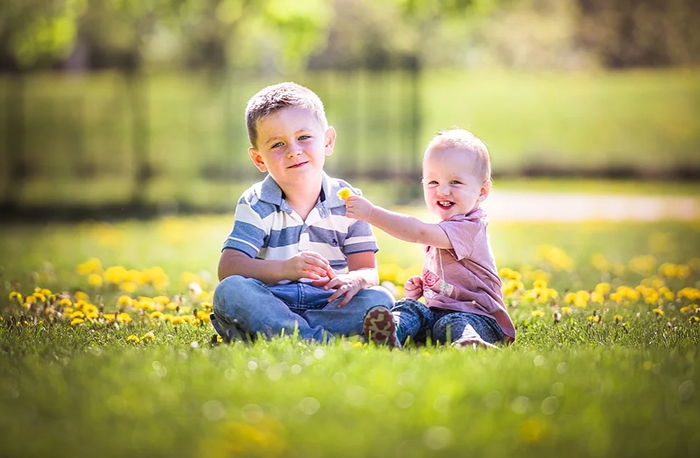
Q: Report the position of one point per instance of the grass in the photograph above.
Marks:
(623, 384)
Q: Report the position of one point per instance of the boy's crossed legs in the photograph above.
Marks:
(249, 305)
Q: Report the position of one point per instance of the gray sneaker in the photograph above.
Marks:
(379, 327)
(229, 332)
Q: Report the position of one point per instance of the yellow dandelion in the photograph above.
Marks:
(618, 318)
(537, 313)
(81, 295)
(694, 319)
(124, 318)
(128, 286)
(77, 314)
(177, 320)
(692, 294)
(345, 193)
(65, 302)
(133, 339)
(594, 318)
(124, 301)
(658, 311)
(76, 321)
(206, 306)
(91, 266)
(156, 315)
(110, 317)
(539, 283)
(203, 316)
(509, 274)
(95, 280)
(566, 310)
(14, 295)
(149, 336)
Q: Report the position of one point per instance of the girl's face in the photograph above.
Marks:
(450, 185)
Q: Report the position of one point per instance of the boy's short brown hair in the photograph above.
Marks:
(276, 97)
(464, 140)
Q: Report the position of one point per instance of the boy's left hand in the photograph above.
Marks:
(346, 286)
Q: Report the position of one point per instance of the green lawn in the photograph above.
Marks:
(619, 377)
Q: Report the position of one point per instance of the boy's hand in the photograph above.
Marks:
(413, 289)
(308, 264)
(345, 285)
(358, 207)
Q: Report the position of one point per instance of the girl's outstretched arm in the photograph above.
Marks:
(398, 225)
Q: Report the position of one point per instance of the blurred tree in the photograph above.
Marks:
(33, 34)
(628, 33)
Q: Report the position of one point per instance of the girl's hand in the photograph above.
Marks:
(413, 289)
(308, 264)
(346, 286)
(358, 207)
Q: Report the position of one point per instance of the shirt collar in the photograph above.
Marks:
(271, 192)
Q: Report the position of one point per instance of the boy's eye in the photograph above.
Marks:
(277, 145)
(431, 183)
(455, 182)
(304, 137)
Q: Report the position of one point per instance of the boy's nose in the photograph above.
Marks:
(293, 150)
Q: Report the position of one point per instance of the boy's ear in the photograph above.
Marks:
(329, 141)
(485, 190)
(257, 159)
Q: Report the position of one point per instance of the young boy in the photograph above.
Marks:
(294, 261)
(459, 281)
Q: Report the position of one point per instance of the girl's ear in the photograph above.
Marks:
(257, 159)
(329, 141)
(485, 190)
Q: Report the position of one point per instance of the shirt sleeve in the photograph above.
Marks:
(359, 239)
(248, 235)
(464, 235)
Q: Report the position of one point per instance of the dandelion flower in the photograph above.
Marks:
(133, 339)
(76, 321)
(618, 318)
(594, 318)
(124, 318)
(14, 295)
(694, 319)
(537, 313)
(345, 193)
(149, 336)
(566, 310)
(658, 311)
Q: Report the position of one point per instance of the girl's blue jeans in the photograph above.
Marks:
(419, 322)
(255, 307)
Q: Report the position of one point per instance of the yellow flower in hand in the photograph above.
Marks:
(345, 193)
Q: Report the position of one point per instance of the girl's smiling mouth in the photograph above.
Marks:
(445, 203)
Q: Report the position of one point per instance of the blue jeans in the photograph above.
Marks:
(255, 307)
(419, 322)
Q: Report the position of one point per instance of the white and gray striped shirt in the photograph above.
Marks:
(266, 227)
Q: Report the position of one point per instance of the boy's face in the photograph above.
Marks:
(450, 186)
(292, 146)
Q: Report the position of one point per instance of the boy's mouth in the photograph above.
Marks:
(300, 164)
(445, 203)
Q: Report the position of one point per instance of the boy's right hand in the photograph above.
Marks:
(308, 264)
(413, 289)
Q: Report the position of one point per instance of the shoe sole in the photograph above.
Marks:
(379, 327)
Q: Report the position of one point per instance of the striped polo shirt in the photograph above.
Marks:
(266, 227)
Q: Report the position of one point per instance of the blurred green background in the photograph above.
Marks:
(125, 107)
